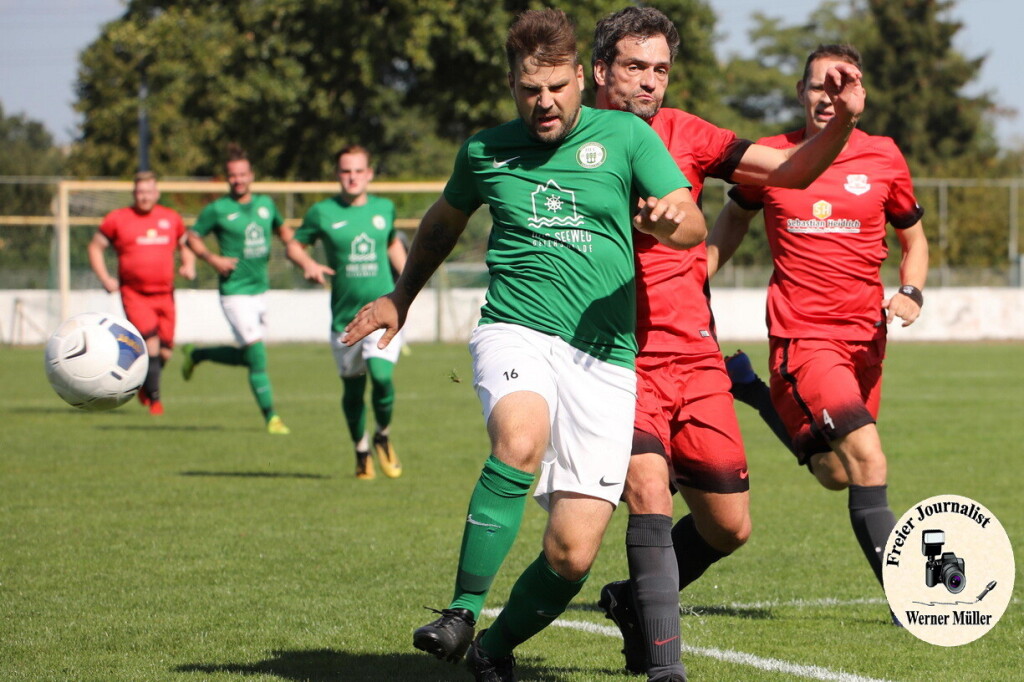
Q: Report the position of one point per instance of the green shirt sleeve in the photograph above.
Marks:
(207, 220)
(461, 191)
(309, 230)
(655, 172)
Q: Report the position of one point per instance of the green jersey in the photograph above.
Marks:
(560, 254)
(356, 239)
(243, 231)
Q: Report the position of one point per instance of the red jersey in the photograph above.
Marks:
(828, 241)
(145, 245)
(673, 297)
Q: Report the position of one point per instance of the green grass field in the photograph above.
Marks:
(196, 547)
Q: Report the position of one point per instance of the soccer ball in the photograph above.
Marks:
(96, 361)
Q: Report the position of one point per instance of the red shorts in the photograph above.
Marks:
(824, 389)
(684, 411)
(152, 314)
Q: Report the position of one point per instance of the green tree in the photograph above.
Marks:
(292, 80)
(915, 77)
(28, 150)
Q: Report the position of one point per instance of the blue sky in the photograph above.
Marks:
(40, 41)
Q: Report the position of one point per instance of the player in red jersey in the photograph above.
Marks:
(685, 431)
(827, 311)
(145, 237)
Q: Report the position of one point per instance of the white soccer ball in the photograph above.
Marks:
(96, 361)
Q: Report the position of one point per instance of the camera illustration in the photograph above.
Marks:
(947, 569)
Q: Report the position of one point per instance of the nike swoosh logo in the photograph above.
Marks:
(339, 225)
(469, 519)
(662, 642)
(607, 483)
(744, 474)
(232, 216)
(546, 615)
(502, 164)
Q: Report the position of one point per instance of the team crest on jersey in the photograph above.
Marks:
(857, 184)
(379, 222)
(591, 155)
(163, 224)
(264, 212)
(554, 206)
(822, 209)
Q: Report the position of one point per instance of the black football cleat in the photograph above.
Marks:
(448, 637)
(617, 604)
(488, 669)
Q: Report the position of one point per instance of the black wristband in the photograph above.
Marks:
(913, 293)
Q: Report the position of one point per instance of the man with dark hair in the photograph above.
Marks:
(145, 237)
(685, 433)
(554, 352)
(827, 311)
(359, 238)
(242, 223)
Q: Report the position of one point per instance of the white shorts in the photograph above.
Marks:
(351, 360)
(590, 406)
(247, 315)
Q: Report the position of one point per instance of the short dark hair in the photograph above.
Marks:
(642, 22)
(547, 35)
(352, 149)
(236, 153)
(843, 52)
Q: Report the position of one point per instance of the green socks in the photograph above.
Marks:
(255, 356)
(495, 512)
(538, 597)
(353, 406)
(383, 390)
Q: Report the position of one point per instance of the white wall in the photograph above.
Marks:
(951, 314)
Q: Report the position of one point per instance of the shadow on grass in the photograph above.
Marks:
(159, 427)
(253, 474)
(696, 610)
(331, 665)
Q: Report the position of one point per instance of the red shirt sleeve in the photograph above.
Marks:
(901, 207)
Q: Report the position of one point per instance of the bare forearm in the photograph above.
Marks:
(433, 243)
(727, 234)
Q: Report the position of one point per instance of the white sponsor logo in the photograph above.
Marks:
(554, 207)
(340, 224)
(363, 250)
(232, 216)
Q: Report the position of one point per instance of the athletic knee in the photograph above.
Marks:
(829, 470)
(647, 495)
(571, 564)
(728, 535)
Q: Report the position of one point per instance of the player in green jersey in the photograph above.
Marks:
(553, 354)
(358, 234)
(242, 223)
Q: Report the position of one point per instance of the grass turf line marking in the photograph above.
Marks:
(813, 672)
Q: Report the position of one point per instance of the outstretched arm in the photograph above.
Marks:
(311, 270)
(437, 235)
(797, 167)
(730, 228)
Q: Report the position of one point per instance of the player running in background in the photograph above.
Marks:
(145, 237)
(827, 311)
(685, 433)
(358, 234)
(242, 223)
(554, 352)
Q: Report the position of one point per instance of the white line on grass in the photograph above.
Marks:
(813, 672)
